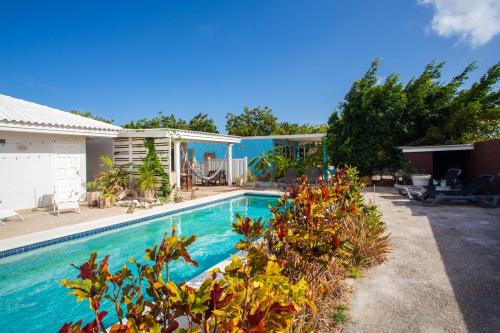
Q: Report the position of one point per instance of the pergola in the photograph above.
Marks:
(175, 136)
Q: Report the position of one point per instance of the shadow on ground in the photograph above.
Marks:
(468, 239)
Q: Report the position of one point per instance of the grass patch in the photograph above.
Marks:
(355, 273)
(339, 315)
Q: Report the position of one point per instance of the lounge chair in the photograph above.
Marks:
(469, 192)
(7, 213)
(423, 192)
(387, 175)
(451, 176)
(218, 179)
(376, 175)
(312, 175)
(68, 202)
(290, 177)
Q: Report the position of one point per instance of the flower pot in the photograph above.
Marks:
(93, 198)
(240, 182)
(420, 180)
(149, 194)
(104, 203)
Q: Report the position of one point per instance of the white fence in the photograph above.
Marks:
(240, 168)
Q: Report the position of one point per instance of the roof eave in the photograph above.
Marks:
(7, 127)
(180, 134)
(426, 149)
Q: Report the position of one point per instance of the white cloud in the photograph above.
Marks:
(474, 22)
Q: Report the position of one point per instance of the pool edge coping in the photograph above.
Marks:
(32, 241)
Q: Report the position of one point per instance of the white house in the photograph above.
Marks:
(42, 148)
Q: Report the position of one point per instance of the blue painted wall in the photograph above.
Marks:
(248, 147)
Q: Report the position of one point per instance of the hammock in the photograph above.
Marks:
(197, 174)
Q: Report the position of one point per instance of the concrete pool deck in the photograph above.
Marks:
(30, 241)
(443, 274)
(43, 219)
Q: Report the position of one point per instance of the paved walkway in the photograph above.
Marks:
(443, 274)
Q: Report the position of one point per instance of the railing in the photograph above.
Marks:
(240, 168)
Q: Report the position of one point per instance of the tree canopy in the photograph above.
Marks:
(91, 116)
(261, 121)
(375, 117)
(200, 122)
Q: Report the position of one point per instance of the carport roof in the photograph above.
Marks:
(425, 149)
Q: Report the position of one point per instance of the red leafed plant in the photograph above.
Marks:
(316, 231)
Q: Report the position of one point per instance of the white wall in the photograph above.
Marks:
(27, 168)
(95, 148)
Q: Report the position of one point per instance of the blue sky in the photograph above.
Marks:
(122, 60)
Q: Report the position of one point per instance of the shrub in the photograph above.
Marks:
(252, 295)
(317, 235)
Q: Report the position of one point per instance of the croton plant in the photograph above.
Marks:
(271, 288)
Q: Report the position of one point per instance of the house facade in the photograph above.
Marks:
(41, 149)
(294, 146)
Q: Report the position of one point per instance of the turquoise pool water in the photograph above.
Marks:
(33, 300)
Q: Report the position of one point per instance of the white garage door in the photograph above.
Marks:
(67, 168)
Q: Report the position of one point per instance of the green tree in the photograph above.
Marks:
(285, 128)
(375, 117)
(91, 116)
(202, 123)
(262, 121)
(252, 122)
(159, 121)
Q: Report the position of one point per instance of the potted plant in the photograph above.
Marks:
(147, 184)
(250, 178)
(116, 178)
(443, 184)
(106, 197)
(239, 181)
(92, 193)
(420, 179)
(177, 195)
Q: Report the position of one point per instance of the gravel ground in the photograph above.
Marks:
(442, 275)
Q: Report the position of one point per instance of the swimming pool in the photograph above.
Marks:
(33, 300)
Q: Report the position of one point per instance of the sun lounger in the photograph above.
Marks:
(423, 192)
(7, 213)
(470, 192)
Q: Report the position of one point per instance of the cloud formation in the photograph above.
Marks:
(474, 22)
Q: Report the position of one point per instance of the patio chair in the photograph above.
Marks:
(66, 202)
(290, 177)
(451, 176)
(423, 192)
(469, 192)
(312, 175)
(222, 178)
(7, 213)
(387, 175)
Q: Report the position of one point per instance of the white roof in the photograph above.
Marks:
(424, 149)
(22, 116)
(180, 134)
(291, 137)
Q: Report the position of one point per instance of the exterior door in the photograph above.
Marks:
(67, 169)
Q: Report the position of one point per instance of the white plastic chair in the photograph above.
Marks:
(70, 202)
(6, 213)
